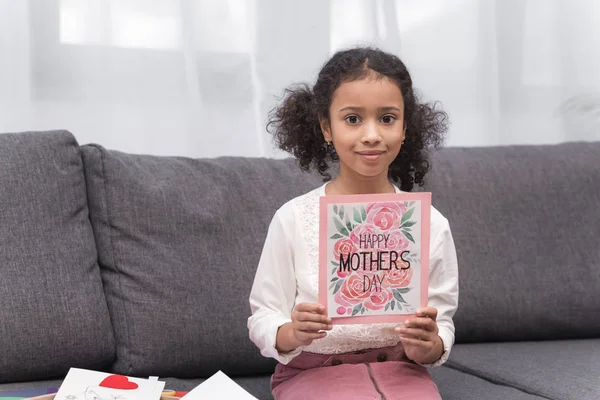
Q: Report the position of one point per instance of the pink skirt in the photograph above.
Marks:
(382, 374)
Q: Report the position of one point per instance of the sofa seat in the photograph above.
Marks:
(457, 385)
(557, 369)
(453, 385)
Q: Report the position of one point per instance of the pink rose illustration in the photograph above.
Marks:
(377, 300)
(351, 292)
(385, 216)
(397, 278)
(363, 231)
(343, 274)
(343, 246)
(397, 241)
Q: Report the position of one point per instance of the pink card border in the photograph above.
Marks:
(425, 199)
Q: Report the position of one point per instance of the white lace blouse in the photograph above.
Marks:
(287, 274)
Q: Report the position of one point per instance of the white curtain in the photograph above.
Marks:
(198, 77)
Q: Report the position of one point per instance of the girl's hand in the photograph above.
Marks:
(308, 323)
(420, 339)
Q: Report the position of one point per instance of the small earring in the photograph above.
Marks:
(329, 148)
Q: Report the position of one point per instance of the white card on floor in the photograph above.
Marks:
(219, 386)
(83, 384)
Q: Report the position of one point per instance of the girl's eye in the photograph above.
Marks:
(352, 119)
(388, 119)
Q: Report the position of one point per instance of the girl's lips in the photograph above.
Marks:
(371, 155)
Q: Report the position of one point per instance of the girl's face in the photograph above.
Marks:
(366, 126)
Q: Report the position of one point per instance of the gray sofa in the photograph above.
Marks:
(142, 265)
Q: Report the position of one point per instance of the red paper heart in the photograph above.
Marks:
(118, 382)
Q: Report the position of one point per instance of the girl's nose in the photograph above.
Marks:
(371, 134)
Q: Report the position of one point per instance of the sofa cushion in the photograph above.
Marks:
(45, 384)
(53, 311)
(558, 369)
(526, 224)
(179, 241)
(452, 384)
(457, 385)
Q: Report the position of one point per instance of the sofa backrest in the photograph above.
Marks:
(526, 222)
(179, 241)
(53, 313)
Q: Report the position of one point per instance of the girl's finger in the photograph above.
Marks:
(311, 336)
(415, 342)
(313, 327)
(428, 312)
(310, 317)
(419, 334)
(309, 307)
(422, 323)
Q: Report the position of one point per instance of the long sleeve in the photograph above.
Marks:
(443, 287)
(274, 290)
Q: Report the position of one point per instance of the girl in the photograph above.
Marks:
(363, 113)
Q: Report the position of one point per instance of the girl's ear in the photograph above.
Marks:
(326, 129)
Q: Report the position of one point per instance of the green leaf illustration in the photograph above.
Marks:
(363, 212)
(393, 304)
(335, 278)
(362, 310)
(335, 209)
(337, 236)
(340, 227)
(337, 264)
(356, 309)
(338, 285)
(386, 307)
(410, 203)
(403, 290)
(356, 216)
(399, 306)
(333, 270)
(398, 297)
(408, 224)
(408, 236)
(342, 213)
(349, 226)
(407, 216)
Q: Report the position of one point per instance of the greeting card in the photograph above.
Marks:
(218, 386)
(374, 256)
(81, 384)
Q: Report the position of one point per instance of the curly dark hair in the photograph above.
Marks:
(295, 123)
